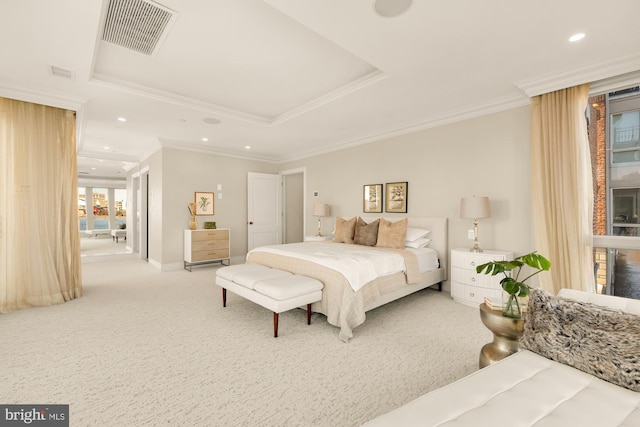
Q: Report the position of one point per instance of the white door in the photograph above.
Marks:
(264, 210)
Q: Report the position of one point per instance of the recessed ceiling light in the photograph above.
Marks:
(106, 147)
(122, 119)
(247, 147)
(211, 121)
(93, 169)
(576, 37)
(205, 139)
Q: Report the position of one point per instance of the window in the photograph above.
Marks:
(614, 137)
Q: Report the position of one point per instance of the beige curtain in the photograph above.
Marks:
(39, 240)
(562, 188)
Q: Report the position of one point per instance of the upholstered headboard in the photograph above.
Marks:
(439, 233)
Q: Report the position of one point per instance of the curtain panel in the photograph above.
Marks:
(39, 237)
(562, 188)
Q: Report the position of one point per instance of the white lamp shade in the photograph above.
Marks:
(321, 209)
(475, 207)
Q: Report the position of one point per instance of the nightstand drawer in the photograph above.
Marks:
(470, 260)
(472, 295)
(470, 277)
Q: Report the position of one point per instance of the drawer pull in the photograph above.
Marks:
(471, 294)
(473, 263)
(473, 279)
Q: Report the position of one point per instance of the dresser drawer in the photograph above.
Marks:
(208, 255)
(198, 236)
(203, 245)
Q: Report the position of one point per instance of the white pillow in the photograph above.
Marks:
(422, 242)
(416, 233)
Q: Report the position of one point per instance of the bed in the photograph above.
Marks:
(345, 307)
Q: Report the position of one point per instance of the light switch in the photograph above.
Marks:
(219, 187)
(219, 195)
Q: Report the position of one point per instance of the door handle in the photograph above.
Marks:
(250, 222)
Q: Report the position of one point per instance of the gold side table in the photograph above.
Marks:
(506, 334)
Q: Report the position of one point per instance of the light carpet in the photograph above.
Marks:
(143, 347)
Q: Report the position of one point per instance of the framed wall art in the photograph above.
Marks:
(397, 195)
(204, 203)
(372, 198)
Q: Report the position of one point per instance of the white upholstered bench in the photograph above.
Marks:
(274, 289)
(116, 233)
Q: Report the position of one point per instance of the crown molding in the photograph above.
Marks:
(181, 101)
(50, 99)
(587, 74)
(452, 117)
(366, 80)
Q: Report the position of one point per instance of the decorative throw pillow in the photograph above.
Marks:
(345, 229)
(366, 234)
(597, 340)
(392, 234)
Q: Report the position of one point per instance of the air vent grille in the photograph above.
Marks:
(138, 25)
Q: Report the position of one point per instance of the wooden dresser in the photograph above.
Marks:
(206, 246)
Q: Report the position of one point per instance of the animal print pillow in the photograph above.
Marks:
(597, 340)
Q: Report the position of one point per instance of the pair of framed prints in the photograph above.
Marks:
(395, 198)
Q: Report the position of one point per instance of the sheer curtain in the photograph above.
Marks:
(562, 193)
(39, 239)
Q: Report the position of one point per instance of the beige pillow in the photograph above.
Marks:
(392, 234)
(366, 234)
(345, 229)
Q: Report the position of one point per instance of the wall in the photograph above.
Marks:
(487, 156)
(184, 173)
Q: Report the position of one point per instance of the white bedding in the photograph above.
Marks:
(427, 259)
(358, 264)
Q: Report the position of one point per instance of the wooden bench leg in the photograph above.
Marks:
(224, 297)
(275, 324)
(308, 314)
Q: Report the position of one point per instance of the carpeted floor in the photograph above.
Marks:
(143, 347)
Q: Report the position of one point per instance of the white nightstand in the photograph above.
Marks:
(469, 287)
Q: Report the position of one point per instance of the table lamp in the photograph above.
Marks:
(320, 210)
(475, 207)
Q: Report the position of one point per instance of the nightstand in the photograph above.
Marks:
(469, 287)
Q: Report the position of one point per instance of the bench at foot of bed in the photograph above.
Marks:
(274, 289)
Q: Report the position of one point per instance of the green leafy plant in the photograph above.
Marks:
(511, 282)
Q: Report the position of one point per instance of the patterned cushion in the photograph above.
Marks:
(366, 234)
(345, 230)
(597, 340)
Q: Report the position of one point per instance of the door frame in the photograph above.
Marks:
(303, 171)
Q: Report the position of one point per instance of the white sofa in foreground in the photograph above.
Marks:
(588, 336)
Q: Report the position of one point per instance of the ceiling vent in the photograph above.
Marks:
(138, 25)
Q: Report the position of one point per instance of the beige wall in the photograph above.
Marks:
(184, 173)
(484, 156)
(487, 156)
